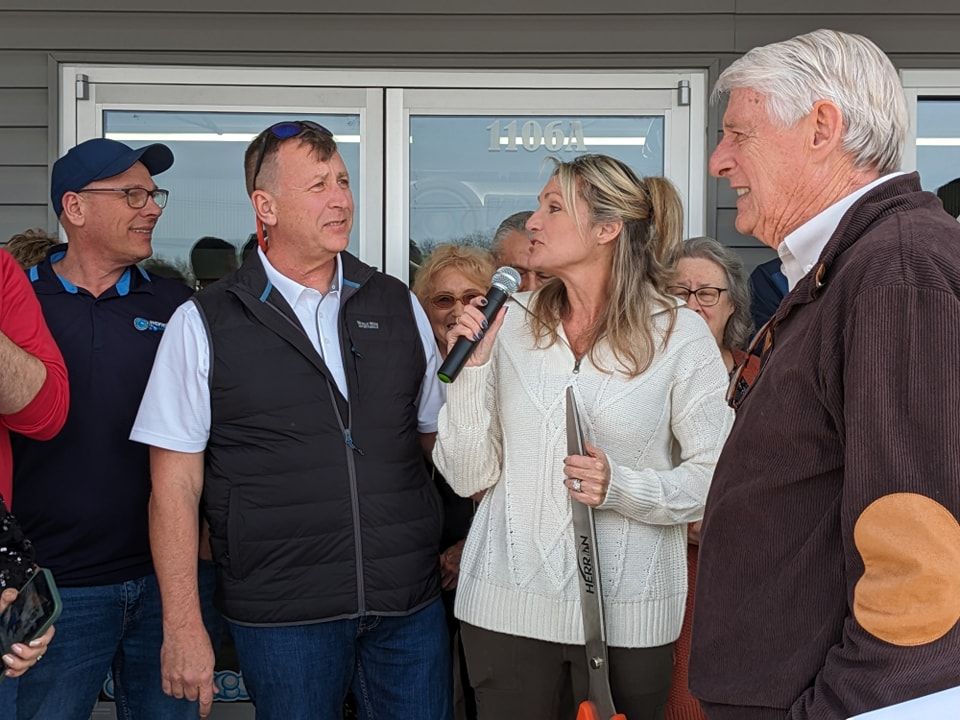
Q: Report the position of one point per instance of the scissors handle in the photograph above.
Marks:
(588, 711)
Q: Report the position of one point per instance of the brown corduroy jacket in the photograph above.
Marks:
(829, 579)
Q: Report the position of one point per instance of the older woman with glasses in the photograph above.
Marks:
(449, 280)
(711, 280)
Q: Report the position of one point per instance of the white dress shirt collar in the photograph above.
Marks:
(801, 249)
(291, 289)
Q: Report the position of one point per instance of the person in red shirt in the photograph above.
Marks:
(33, 402)
(33, 379)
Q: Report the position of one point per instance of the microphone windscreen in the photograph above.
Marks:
(507, 279)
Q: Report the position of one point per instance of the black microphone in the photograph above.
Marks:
(505, 282)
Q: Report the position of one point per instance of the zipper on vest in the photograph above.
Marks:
(351, 472)
(355, 508)
(348, 439)
(576, 366)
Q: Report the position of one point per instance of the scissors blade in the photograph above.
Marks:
(591, 596)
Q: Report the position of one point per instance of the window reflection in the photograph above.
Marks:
(468, 173)
(938, 149)
(207, 194)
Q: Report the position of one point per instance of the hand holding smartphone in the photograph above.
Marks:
(29, 616)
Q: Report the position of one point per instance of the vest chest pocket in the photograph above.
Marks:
(386, 354)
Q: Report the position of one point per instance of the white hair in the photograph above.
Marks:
(846, 69)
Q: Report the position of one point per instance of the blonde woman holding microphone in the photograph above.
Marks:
(649, 382)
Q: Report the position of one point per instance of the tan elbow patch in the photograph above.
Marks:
(910, 590)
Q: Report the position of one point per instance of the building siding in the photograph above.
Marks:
(24, 134)
(426, 33)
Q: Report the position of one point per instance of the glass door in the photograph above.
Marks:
(464, 160)
(933, 145)
(208, 223)
(435, 156)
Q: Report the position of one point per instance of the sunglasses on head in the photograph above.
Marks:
(279, 132)
(284, 131)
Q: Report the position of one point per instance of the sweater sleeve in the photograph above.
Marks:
(700, 421)
(899, 506)
(469, 448)
(21, 320)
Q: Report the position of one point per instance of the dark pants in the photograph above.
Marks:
(741, 712)
(516, 677)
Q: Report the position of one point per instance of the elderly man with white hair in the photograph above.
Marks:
(829, 580)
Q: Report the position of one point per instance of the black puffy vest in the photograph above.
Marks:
(319, 509)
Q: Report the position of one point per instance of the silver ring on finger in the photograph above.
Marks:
(576, 485)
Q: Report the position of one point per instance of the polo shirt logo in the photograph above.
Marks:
(368, 325)
(143, 324)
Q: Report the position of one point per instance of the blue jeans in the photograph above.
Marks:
(397, 667)
(105, 628)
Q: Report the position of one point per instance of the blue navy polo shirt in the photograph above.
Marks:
(82, 497)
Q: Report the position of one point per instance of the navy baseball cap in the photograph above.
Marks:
(101, 158)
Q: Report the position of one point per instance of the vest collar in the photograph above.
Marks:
(251, 278)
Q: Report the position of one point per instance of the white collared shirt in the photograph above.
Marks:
(801, 249)
(317, 313)
(175, 411)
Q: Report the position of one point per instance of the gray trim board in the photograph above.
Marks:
(23, 69)
(849, 7)
(384, 7)
(17, 218)
(23, 107)
(23, 146)
(224, 32)
(893, 33)
(24, 185)
(53, 135)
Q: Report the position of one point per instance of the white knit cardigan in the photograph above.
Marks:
(503, 429)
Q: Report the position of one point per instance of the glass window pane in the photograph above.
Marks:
(468, 173)
(206, 184)
(938, 144)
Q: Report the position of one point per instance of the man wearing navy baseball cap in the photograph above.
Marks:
(82, 497)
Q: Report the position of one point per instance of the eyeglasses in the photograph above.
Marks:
(284, 131)
(445, 301)
(136, 196)
(707, 296)
(739, 387)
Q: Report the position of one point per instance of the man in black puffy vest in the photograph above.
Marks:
(291, 403)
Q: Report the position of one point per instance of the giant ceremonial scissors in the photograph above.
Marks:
(599, 702)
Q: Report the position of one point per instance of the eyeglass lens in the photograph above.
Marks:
(706, 296)
(445, 302)
(137, 197)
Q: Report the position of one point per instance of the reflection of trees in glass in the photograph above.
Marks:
(420, 250)
(477, 238)
(175, 268)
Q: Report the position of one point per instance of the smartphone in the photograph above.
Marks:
(36, 608)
